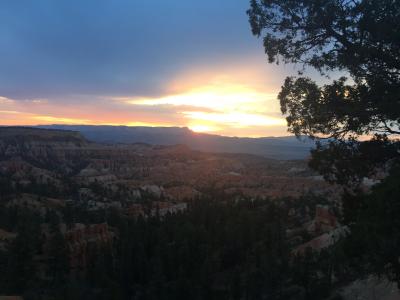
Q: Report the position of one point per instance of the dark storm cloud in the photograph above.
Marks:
(51, 49)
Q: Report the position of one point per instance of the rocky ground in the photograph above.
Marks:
(99, 173)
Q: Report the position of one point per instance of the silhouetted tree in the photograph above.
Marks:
(359, 38)
(21, 268)
(360, 117)
(58, 253)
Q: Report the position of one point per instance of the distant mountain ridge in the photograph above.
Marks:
(33, 134)
(285, 148)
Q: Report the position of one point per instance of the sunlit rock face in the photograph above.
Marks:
(66, 165)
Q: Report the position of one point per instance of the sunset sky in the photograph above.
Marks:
(137, 62)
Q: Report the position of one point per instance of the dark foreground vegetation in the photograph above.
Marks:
(358, 114)
(213, 250)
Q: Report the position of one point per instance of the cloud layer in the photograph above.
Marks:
(172, 63)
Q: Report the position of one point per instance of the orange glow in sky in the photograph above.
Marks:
(220, 105)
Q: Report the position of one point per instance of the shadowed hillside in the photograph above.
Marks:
(271, 147)
(50, 135)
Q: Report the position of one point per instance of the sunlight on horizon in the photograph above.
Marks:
(224, 106)
(202, 128)
(218, 108)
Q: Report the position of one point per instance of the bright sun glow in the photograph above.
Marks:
(235, 119)
(215, 107)
(202, 128)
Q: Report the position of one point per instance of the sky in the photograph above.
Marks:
(139, 63)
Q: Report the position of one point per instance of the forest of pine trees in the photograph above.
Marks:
(213, 251)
